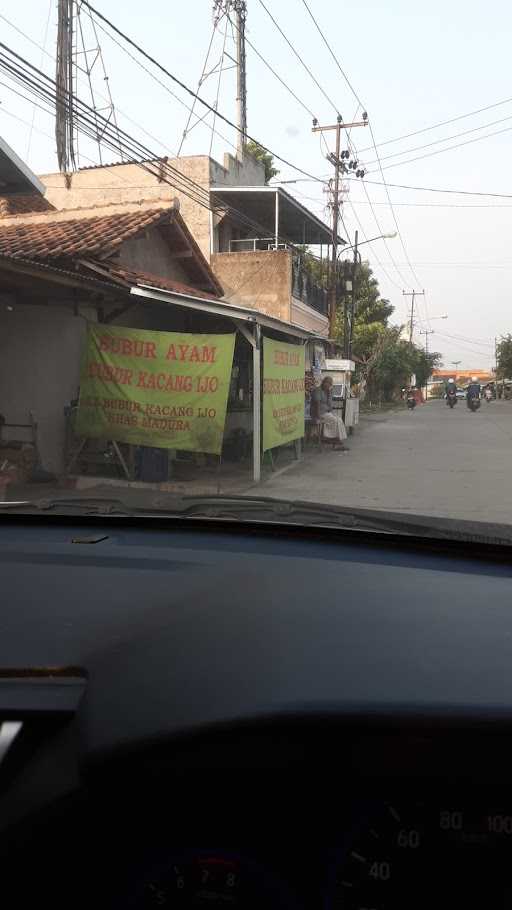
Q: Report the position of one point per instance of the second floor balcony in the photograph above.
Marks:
(258, 243)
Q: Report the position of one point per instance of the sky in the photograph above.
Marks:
(409, 65)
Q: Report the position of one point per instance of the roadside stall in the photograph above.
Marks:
(341, 372)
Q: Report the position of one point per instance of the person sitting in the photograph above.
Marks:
(321, 411)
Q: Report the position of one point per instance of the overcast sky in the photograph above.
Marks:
(410, 65)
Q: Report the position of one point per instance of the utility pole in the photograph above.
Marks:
(349, 329)
(240, 8)
(455, 363)
(412, 294)
(337, 159)
(426, 333)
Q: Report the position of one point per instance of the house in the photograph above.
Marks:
(250, 238)
(61, 270)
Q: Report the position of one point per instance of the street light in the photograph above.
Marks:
(390, 236)
(352, 288)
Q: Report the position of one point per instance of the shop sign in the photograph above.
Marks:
(283, 393)
(163, 389)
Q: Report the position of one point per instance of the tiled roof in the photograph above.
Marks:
(24, 203)
(156, 281)
(57, 239)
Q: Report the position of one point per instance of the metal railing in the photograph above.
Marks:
(253, 244)
(305, 289)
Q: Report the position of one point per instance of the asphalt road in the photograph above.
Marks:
(431, 461)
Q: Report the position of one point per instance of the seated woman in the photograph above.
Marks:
(321, 409)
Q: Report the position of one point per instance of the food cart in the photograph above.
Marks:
(341, 372)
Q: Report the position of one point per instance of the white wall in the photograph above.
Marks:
(40, 349)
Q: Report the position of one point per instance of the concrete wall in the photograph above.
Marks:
(40, 349)
(249, 172)
(308, 318)
(152, 253)
(131, 183)
(261, 281)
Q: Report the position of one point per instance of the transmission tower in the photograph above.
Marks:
(79, 55)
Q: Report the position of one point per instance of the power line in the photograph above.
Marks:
(43, 52)
(358, 99)
(430, 189)
(418, 148)
(382, 266)
(413, 273)
(299, 58)
(277, 76)
(333, 55)
(440, 151)
(44, 88)
(119, 111)
(193, 94)
(434, 126)
(201, 78)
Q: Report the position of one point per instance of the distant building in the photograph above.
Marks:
(462, 377)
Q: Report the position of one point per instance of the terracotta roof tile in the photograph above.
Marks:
(53, 240)
(23, 204)
(157, 281)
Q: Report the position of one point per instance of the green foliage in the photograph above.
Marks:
(256, 150)
(504, 357)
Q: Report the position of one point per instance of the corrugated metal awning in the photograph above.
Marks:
(227, 310)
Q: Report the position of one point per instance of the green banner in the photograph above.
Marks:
(160, 389)
(283, 393)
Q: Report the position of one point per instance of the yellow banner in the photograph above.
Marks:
(283, 393)
(160, 389)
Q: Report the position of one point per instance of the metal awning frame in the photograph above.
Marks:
(250, 323)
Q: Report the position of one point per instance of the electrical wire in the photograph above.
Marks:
(43, 52)
(221, 66)
(358, 99)
(199, 84)
(44, 87)
(430, 189)
(119, 111)
(434, 126)
(440, 151)
(413, 273)
(193, 94)
(299, 58)
(277, 76)
(418, 148)
(333, 55)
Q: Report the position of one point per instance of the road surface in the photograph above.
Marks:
(431, 461)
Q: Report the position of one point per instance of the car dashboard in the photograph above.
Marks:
(340, 702)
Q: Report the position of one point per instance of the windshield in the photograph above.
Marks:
(247, 262)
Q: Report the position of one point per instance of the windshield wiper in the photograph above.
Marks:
(138, 503)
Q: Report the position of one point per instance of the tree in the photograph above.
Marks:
(257, 151)
(504, 357)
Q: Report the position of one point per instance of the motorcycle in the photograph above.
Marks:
(451, 399)
(411, 402)
(474, 404)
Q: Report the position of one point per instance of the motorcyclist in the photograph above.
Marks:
(473, 390)
(451, 390)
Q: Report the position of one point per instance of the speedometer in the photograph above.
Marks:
(425, 856)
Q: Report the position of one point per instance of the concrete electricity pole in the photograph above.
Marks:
(337, 159)
(426, 333)
(412, 294)
(240, 8)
